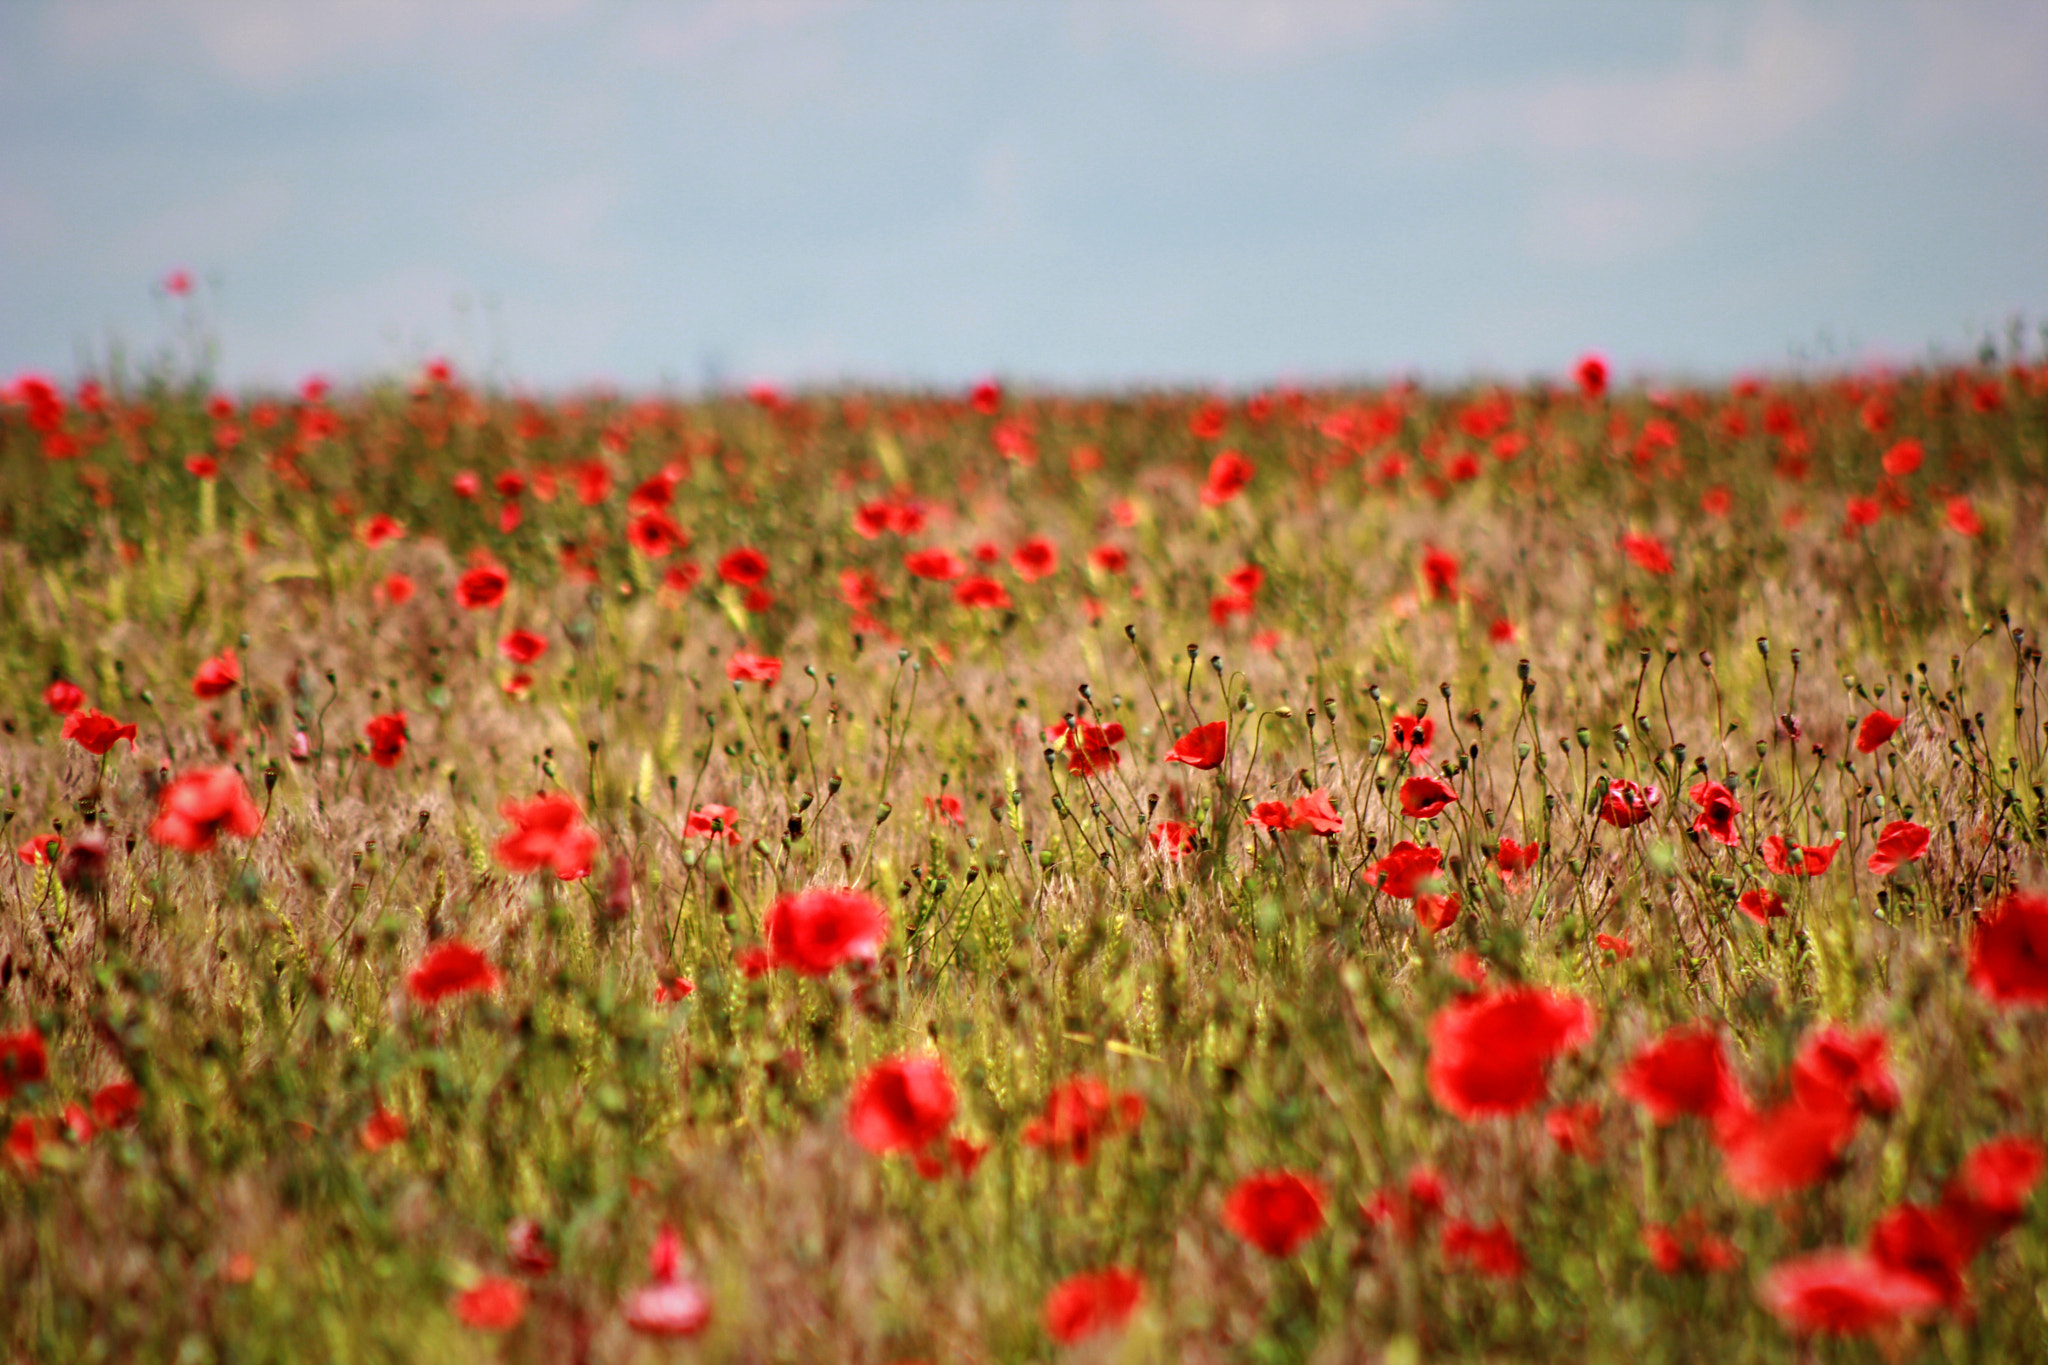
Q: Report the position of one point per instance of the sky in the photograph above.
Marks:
(554, 194)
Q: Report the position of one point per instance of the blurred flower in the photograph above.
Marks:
(1490, 1052)
(1843, 1293)
(492, 1304)
(218, 676)
(1276, 1211)
(201, 805)
(1078, 1114)
(448, 969)
(96, 733)
(1084, 1305)
(671, 1304)
(387, 736)
(902, 1104)
(1899, 843)
(547, 832)
(814, 931)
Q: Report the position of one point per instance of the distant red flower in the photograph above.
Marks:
(1202, 747)
(1899, 843)
(450, 968)
(523, 647)
(1688, 1248)
(115, 1104)
(2009, 950)
(1902, 459)
(811, 932)
(940, 566)
(547, 832)
(1646, 552)
(1207, 422)
(713, 822)
(1411, 735)
(1501, 631)
(1926, 1244)
(1229, 473)
(1173, 839)
(1440, 573)
(1512, 862)
(201, 805)
(1798, 860)
(754, 963)
(1276, 1211)
(23, 1061)
(492, 1304)
(986, 397)
(379, 530)
(1592, 375)
(671, 1304)
(381, 1130)
(1079, 1114)
(1575, 1128)
(982, 593)
(1091, 748)
(1718, 809)
(1405, 868)
(96, 733)
(1717, 502)
(1081, 1306)
(396, 590)
(218, 676)
(1490, 1250)
(674, 990)
(747, 666)
(902, 1104)
(1490, 1051)
(1762, 905)
(1622, 949)
(1036, 558)
(1424, 797)
(745, 567)
(1783, 1150)
(655, 535)
(1627, 804)
(1988, 1196)
(1110, 559)
(481, 588)
(1877, 727)
(387, 737)
(947, 810)
(1843, 1293)
(63, 697)
(1962, 517)
(1684, 1072)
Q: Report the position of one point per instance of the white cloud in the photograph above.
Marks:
(1787, 72)
(1970, 65)
(1240, 36)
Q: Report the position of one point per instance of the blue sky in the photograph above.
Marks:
(559, 192)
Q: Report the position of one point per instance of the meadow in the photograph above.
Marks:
(1494, 873)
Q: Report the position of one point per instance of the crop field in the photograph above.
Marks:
(1404, 874)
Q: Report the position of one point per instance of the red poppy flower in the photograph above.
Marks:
(1401, 1211)
(450, 968)
(1490, 1052)
(547, 832)
(812, 932)
(656, 493)
(1207, 422)
(655, 535)
(1423, 797)
(1838, 1066)
(492, 1304)
(1440, 573)
(1314, 813)
(1689, 1249)
(1229, 473)
(63, 697)
(1899, 843)
(986, 397)
(396, 590)
(381, 1129)
(1095, 1301)
(523, 647)
(380, 529)
(1877, 727)
(35, 850)
(1275, 817)
(1622, 949)
(96, 733)
(1490, 1250)
(713, 822)
(1110, 559)
(1592, 375)
(387, 738)
(1988, 1196)
(903, 1104)
(23, 1061)
(116, 1104)
(1173, 839)
(1411, 735)
(1718, 809)
(745, 567)
(747, 666)
(1783, 1150)
(671, 1304)
(1926, 1244)
(1646, 552)
(1079, 1114)
(1201, 747)
(194, 811)
(1627, 804)
(218, 676)
(1405, 868)
(481, 588)
(1434, 914)
(1762, 905)
(1512, 862)
(1798, 860)
(940, 566)
(680, 578)
(2009, 950)
(1575, 1128)
(1962, 517)
(982, 593)
(1843, 1293)
(24, 1146)
(947, 810)
(1036, 558)
(1091, 748)
(1276, 1211)
(1903, 458)
(1684, 1072)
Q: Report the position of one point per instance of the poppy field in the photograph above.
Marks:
(1491, 873)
